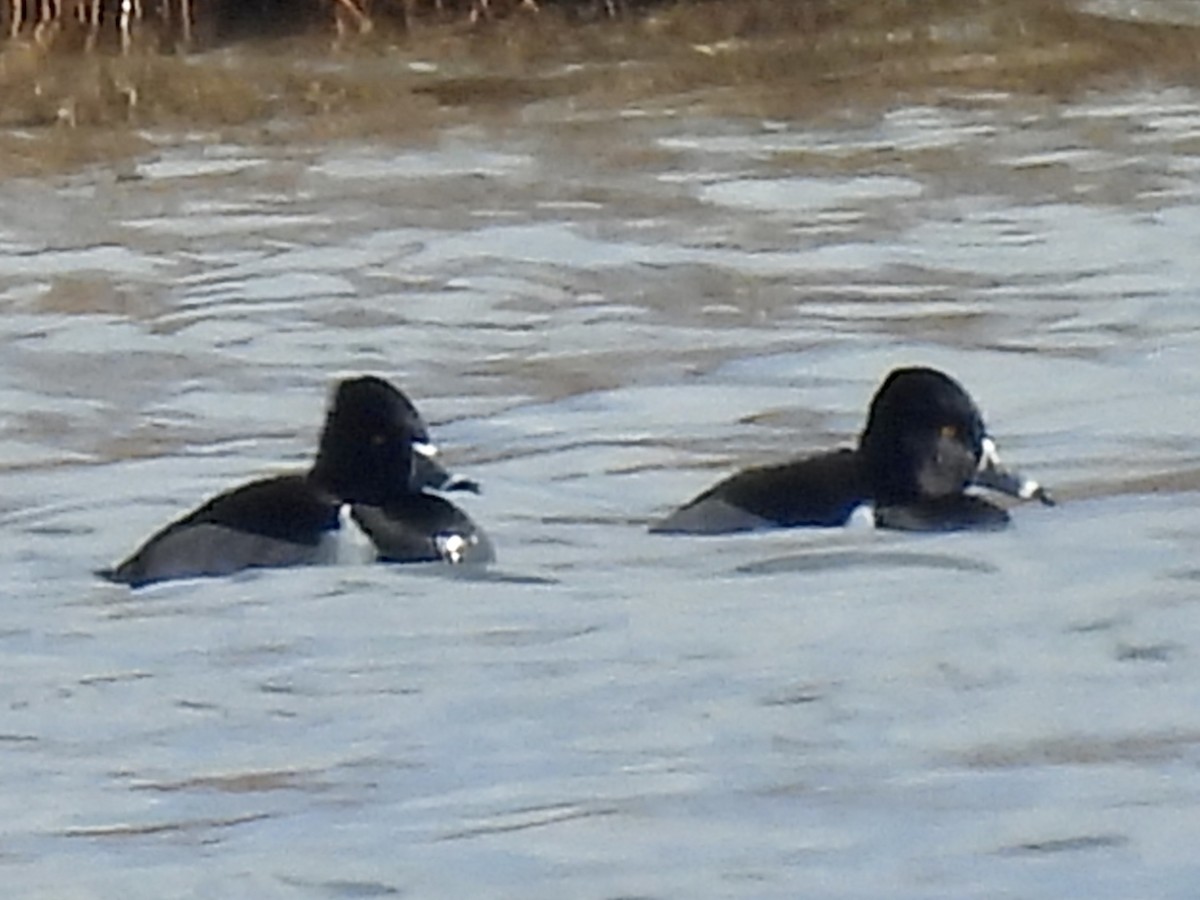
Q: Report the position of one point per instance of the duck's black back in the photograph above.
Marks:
(818, 491)
(271, 522)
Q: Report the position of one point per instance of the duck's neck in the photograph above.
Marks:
(357, 477)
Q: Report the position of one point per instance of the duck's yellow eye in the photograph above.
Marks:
(949, 432)
(378, 440)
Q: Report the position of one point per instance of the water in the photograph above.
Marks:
(601, 315)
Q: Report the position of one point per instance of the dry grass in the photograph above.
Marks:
(779, 58)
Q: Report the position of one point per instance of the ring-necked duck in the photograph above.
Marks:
(373, 468)
(924, 444)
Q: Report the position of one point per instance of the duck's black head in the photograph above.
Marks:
(371, 436)
(924, 437)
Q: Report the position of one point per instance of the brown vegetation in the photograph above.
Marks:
(187, 24)
(399, 67)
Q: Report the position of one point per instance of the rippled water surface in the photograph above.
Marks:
(602, 313)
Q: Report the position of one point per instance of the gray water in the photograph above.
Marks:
(601, 314)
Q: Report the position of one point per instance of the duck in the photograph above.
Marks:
(919, 461)
(370, 494)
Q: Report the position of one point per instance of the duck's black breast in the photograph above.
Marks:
(423, 527)
(272, 522)
(957, 512)
(817, 491)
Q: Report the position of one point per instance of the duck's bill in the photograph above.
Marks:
(992, 474)
(428, 472)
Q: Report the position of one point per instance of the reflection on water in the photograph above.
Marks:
(601, 313)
